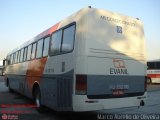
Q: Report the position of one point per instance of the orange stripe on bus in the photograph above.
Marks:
(35, 71)
(48, 31)
(36, 67)
(53, 28)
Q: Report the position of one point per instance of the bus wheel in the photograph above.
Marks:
(37, 100)
(149, 81)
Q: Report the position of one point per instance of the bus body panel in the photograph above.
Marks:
(81, 103)
(114, 34)
(57, 85)
(17, 77)
(106, 75)
(113, 61)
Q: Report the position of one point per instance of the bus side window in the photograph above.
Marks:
(9, 59)
(39, 48)
(46, 46)
(33, 50)
(14, 54)
(68, 39)
(25, 54)
(55, 45)
(29, 52)
(22, 54)
(19, 55)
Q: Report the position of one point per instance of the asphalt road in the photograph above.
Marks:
(15, 106)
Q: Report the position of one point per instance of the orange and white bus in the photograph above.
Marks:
(153, 71)
(92, 60)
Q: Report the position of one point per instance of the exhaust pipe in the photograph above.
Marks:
(142, 103)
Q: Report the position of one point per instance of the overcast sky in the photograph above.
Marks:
(21, 20)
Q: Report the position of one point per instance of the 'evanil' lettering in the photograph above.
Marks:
(118, 71)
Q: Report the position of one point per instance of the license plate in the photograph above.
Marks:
(118, 92)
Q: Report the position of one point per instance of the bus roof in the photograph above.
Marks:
(50, 30)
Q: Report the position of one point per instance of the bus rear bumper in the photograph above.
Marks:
(82, 103)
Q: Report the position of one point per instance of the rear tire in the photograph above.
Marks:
(149, 81)
(37, 100)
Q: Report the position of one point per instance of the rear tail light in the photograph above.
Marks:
(81, 84)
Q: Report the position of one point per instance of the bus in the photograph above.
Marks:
(92, 60)
(153, 71)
